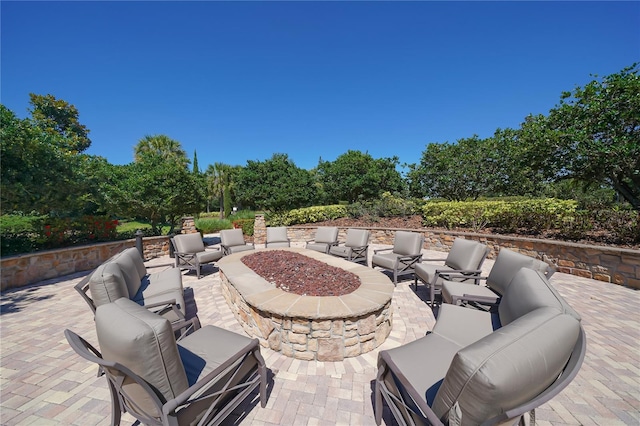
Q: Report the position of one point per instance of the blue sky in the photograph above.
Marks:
(240, 81)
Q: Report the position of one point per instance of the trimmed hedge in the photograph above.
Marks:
(308, 215)
(533, 215)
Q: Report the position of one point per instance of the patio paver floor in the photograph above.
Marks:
(43, 382)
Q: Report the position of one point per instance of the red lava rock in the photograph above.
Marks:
(299, 274)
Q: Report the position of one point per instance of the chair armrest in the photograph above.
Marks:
(434, 260)
(414, 257)
(484, 300)
(185, 327)
(166, 306)
(376, 251)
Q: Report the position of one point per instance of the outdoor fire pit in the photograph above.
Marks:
(323, 328)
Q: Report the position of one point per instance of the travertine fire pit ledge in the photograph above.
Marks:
(375, 291)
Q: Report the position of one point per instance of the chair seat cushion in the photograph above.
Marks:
(464, 326)
(209, 256)
(426, 272)
(424, 363)
(279, 244)
(341, 251)
(207, 348)
(385, 260)
(455, 290)
(321, 247)
(238, 249)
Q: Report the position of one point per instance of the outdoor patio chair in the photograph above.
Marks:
(355, 247)
(277, 237)
(485, 368)
(191, 254)
(507, 264)
(198, 380)
(464, 260)
(232, 241)
(326, 236)
(404, 255)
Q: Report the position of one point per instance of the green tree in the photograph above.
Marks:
(218, 177)
(153, 189)
(196, 169)
(276, 185)
(592, 135)
(455, 172)
(37, 174)
(356, 176)
(58, 117)
(160, 146)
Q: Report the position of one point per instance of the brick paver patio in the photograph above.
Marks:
(43, 382)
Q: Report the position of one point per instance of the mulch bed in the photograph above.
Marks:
(299, 274)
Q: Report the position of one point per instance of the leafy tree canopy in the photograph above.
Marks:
(592, 135)
(37, 175)
(58, 117)
(162, 147)
(357, 176)
(276, 184)
(152, 189)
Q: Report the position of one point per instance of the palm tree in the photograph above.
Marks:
(161, 146)
(217, 180)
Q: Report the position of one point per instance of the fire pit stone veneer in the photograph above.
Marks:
(322, 328)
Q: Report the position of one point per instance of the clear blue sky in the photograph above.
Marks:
(240, 81)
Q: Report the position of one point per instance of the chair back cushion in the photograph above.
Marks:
(231, 237)
(326, 234)
(145, 343)
(507, 368)
(466, 254)
(530, 290)
(407, 243)
(357, 238)
(277, 234)
(107, 284)
(129, 261)
(505, 267)
(189, 243)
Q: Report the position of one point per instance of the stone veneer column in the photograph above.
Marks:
(259, 230)
(188, 225)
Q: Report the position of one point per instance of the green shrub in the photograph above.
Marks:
(211, 225)
(530, 215)
(307, 215)
(245, 224)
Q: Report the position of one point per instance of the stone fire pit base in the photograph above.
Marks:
(310, 328)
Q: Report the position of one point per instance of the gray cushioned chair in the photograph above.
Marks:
(355, 247)
(198, 380)
(277, 237)
(232, 241)
(466, 374)
(403, 256)
(463, 263)
(326, 236)
(125, 275)
(191, 254)
(507, 264)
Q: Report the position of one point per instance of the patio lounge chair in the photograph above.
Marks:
(326, 236)
(197, 380)
(464, 260)
(505, 267)
(464, 373)
(355, 247)
(405, 254)
(232, 241)
(191, 254)
(277, 237)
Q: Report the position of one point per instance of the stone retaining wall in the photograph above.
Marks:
(609, 264)
(24, 269)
